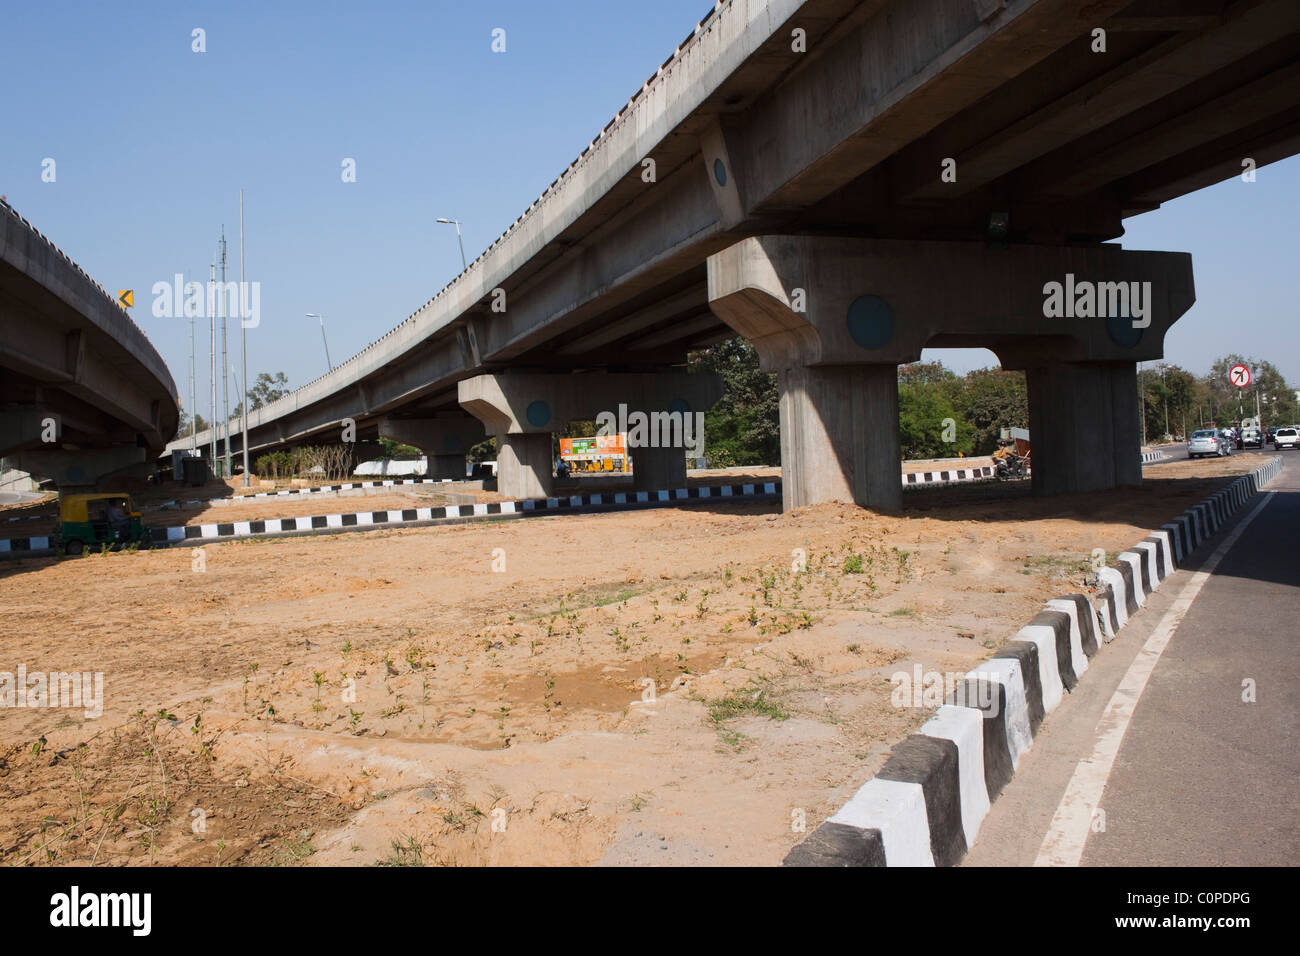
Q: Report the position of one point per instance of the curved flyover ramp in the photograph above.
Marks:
(83, 393)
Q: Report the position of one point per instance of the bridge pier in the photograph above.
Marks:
(444, 440)
(835, 317)
(658, 469)
(1083, 424)
(839, 436)
(659, 410)
(524, 466)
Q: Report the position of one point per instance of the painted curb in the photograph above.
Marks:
(235, 530)
(924, 807)
(983, 473)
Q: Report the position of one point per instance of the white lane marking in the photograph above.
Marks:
(1063, 843)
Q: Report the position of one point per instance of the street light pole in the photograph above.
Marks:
(317, 315)
(456, 222)
(243, 338)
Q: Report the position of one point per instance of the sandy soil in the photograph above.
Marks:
(481, 693)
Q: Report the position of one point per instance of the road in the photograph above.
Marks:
(1201, 774)
(1178, 452)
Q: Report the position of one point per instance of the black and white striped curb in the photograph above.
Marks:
(953, 474)
(362, 519)
(280, 494)
(324, 488)
(1150, 456)
(925, 805)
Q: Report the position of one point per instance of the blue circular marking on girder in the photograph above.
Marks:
(538, 413)
(679, 405)
(870, 322)
(452, 444)
(75, 474)
(1121, 331)
(720, 172)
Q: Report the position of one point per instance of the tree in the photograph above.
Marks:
(990, 399)
(389, 449)
(199, 422)
(925, 418)
(744, 427)
(267, 389)
(924, 373)
(1276, 399)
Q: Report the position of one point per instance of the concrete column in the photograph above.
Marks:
(658, 469)
(1083, 426)
(444, 439)
(524, 465)
(839, 436)
(445, 466)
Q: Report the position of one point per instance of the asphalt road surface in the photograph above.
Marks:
(1179, 745)
(1178, 452)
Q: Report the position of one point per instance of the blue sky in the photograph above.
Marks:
(152, 143)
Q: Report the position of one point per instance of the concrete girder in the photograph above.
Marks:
(540, 403)
(515, 406)
(1143, 80)
(445, 440)
(82, 468)
(868, 301)
(59, 329)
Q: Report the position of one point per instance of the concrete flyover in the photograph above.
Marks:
(83, 393)
(845, 182)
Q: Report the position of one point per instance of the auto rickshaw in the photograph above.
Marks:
(101, 518)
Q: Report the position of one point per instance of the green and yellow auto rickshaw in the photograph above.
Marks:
(98, 519)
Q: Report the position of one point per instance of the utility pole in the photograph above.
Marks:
(1142, 410)
(243, 338)
(212, 329)
(1166, 394)
(194, 404)
(225, 382)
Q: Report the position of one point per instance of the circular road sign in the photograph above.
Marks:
(1239, 376)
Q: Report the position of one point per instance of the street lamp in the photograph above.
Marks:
(456, 222)
(317, 315)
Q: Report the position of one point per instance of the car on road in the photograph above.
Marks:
(1286, 438)
(1252, 438)
(1207, 441)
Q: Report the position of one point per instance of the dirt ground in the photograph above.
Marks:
(656, 687)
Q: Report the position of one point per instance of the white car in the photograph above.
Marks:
(1286, 438)
(1207, 441)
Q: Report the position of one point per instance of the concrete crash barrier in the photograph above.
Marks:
(925, 805)
(983, 473)
(233, 530)
(1150, 456)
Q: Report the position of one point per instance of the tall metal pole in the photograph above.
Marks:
(463, 264)
(225, 381)
(243, 339)
(194, 405)
(1162, 388)
(212, 328)
(319, 315)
